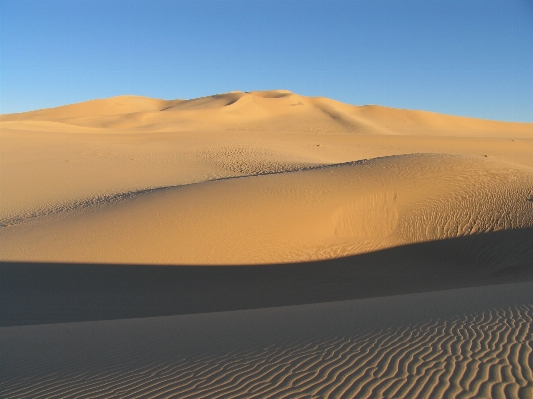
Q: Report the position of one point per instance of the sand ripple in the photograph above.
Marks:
(473, 355)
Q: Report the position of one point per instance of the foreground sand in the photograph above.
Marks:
(470, 343)
(137, 208)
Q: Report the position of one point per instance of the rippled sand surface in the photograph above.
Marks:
(468, 343)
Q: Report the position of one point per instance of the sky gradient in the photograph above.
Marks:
(461, 57)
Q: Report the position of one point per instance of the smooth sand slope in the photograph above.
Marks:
(133, 207)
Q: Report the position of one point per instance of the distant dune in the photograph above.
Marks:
(235, 191)
(265, 111)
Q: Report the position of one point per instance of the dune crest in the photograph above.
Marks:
(285, 217)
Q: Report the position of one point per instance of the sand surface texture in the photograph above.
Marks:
(469, 343)
(162, 211)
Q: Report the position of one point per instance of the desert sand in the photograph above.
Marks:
(264, 244)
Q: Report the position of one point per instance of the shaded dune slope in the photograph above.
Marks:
(321, 213)
(473, 343)
(40, 293)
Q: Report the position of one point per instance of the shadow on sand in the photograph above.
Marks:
(42, 293)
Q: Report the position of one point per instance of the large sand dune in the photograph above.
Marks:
(320, 213)
(132, 207)
(276, 110)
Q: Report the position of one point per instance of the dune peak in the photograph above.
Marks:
(266, 110)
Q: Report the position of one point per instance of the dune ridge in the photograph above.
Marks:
(265, 111)
(56, 209)
(311, 214)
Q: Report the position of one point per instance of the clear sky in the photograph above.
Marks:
(462, 57)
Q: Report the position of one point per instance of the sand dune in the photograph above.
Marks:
(275, 110)
(318, 213)
(126, 144)
(109, 106)
(132, 207)
(472, 343)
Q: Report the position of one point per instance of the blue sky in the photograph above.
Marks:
(462, 57)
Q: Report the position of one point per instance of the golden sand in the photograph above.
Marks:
(415, 200)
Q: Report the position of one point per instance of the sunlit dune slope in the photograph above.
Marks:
(320, 213)
(276, 110)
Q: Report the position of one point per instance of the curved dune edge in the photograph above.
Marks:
(473, 343)
(106, 199)
(315, 214)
